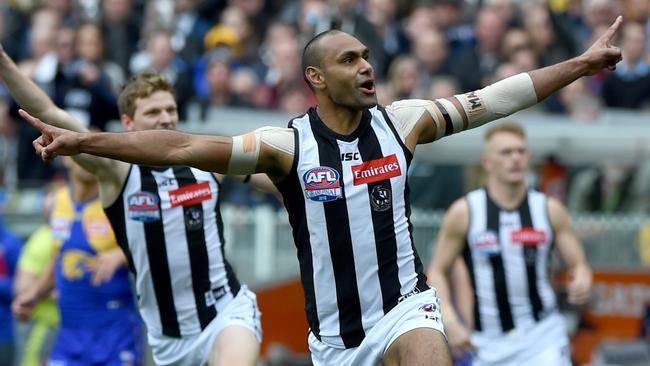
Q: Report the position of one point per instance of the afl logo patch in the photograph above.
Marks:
(143, 206)
(486, 242)
(322, 184)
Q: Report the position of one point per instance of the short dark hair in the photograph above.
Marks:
(311, 54)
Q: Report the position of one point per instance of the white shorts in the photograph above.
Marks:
(418, 311)
(544, 344)
(195, 349)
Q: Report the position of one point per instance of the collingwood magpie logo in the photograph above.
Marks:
(380, 198)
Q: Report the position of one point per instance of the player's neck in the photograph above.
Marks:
(339, 119)
(82, 191)
(507, 196)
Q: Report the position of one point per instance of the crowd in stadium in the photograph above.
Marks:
(247, 54)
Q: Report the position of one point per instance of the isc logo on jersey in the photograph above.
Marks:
(322, 184)
(143, 206)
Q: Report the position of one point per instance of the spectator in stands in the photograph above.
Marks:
(421, 19)
(550, 42)
(79, 84)
(245, 84)
(382, 15)
(40, 65)
(282, 73)
(514, 40)
(218, 79)
(189, 29)
(447, 15)
(473, 64)
(432, 55)
(348, 16)
(403, 78)
(248, 33)
(90, 48)
(629, 85)
(8, 142)
(160, 57)
(305, 15)
(121, 29)
(10, 246)
(579, 102)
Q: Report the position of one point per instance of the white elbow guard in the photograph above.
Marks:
(244, 155)
(499, 99)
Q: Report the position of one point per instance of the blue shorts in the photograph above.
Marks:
(116, 344)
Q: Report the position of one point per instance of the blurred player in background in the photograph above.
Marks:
(505, 233)
(37, 334)
(99, 320)
(10, 246)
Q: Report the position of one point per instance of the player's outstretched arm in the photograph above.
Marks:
(31, 98)
(34, 100)
(445, 116)
(225, 155)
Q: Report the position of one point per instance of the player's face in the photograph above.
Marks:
(506, 158)
(157, 111)
(349, 77)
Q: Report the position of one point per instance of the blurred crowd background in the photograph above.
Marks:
(246, 54)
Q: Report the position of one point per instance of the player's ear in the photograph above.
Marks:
(315, 77)
(127, 122)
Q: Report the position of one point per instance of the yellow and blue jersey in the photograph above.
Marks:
(81, 231)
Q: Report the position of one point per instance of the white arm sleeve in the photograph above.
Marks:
(478, 107)
(406, 113)
(246, 148)
(498, 100)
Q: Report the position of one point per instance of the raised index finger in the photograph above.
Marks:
(37, 123)
(607, 36)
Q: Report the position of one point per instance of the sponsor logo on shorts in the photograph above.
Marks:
(528, 236)
(429, 308)
(322, 184)
(486, 242)
(190, 194)
(143, 206)
(376, 170)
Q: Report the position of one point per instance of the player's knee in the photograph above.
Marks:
(420, 347)
(236, 346)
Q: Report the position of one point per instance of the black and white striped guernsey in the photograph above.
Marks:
(347, 199)
(507, 254)
(168, 222)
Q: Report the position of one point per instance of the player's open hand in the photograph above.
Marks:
(602, 54)
(23, 305)
(53, 141)
(459, 338)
